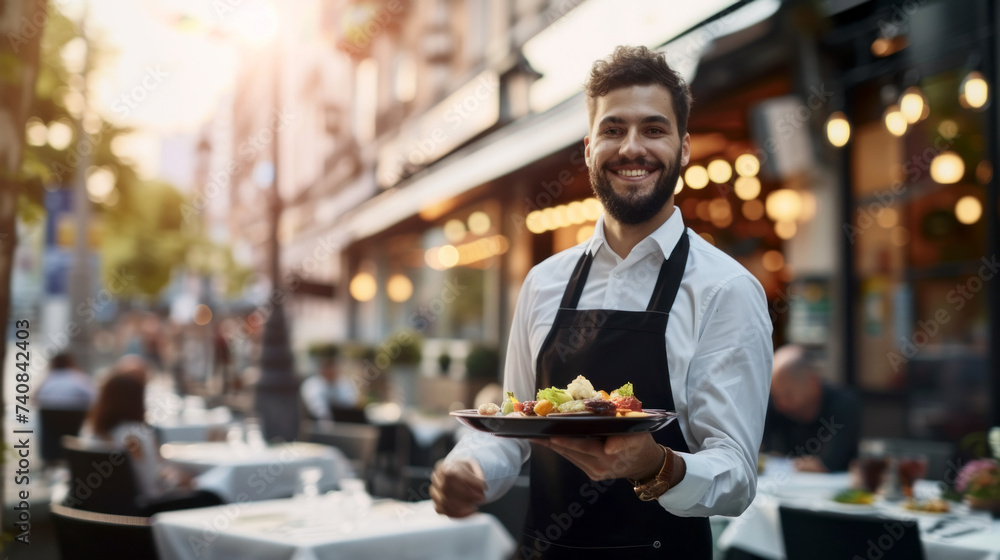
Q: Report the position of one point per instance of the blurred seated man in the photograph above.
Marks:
(809, 420)
(326, 389)
(66, 387)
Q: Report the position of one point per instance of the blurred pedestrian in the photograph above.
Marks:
(809, 419)
(327, 389)
(66, 387)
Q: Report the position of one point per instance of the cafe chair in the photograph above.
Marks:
(81, 534)
(57, 423)
(100, 479)
(358, 442)
(824, 535)
(352, 414)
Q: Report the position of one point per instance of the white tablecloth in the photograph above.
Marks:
(242, 473)
(323, 528)
(758, 530)
(194, 428)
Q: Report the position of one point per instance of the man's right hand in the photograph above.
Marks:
(457, 487)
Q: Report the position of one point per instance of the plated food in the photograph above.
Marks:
(855, 496)
(578, 410)
(935, 505)
(579, 398)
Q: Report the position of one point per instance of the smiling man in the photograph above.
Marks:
(646, 301)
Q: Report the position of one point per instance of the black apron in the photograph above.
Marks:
(571, 516)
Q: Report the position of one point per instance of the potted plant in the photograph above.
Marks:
(483, 362)
(979, 482)
(444, 363)
(482, 367)
(401, 353)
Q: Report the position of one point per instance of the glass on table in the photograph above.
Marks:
(234, 435)
(356, 496)
(911, 468)
(309, 482)
(871, 472)
(254, 434)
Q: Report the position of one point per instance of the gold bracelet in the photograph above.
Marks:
(658, 485)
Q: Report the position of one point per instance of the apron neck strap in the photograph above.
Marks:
(667, 283)
(671, 273)
(571, 297)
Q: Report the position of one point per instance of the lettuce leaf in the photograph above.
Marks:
(554, 395)
(625, 390)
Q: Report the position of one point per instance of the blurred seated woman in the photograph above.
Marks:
(118, 418)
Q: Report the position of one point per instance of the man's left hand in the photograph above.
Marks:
(635, 456)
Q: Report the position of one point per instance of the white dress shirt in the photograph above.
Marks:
(719, 352)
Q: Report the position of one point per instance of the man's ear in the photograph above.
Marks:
(685, 149)
(586, 150)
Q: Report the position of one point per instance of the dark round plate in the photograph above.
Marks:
(564, 425)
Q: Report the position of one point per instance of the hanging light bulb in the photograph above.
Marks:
(747, 188)
(696, 177)
(947, 168)
(974, 91)
(783, 205)
(968, 210)
(747, 165)
(912, 104)
(363, 287)
(719, 171)
(895, 121)
(838, 130)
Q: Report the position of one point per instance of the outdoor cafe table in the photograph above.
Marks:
(244, 472)
(324, 527)
(758, 530)
(194, 425)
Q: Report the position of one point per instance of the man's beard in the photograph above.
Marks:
(631, 208)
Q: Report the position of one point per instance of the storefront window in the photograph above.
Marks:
(918, 233)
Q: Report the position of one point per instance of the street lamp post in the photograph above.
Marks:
(276, 393)
(81, 273)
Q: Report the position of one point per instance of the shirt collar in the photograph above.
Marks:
(664, 237)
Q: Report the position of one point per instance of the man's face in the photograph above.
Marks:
(792, 396)
(634, 152)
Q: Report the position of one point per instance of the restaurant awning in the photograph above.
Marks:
(494, 156)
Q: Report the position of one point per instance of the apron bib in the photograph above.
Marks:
(571, 516)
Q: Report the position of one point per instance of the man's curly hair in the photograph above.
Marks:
(638, 66)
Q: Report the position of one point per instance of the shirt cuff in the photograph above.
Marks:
(689, 491)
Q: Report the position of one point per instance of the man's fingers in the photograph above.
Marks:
(456, 489)
(587, 446)
(450, 507)
(616, 445)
